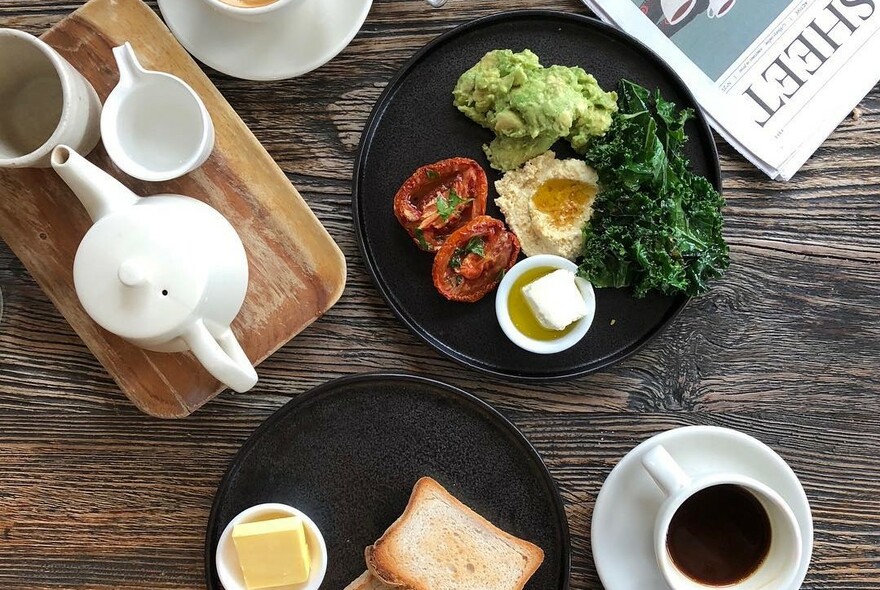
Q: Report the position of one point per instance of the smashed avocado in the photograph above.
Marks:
(530, 107)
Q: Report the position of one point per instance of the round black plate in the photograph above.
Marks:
(347, 453)
(414, 123)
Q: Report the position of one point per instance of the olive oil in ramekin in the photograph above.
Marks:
(521, 314)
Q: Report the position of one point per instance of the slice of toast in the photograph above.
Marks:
(366, 581)
(438, 543)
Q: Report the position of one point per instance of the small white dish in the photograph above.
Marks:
(622, 531)
(297, 39)
(229, 569)
(154, 125)
(502, 310)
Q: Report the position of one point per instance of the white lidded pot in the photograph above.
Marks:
(167, 273)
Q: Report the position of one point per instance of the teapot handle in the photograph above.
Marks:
(223, 357)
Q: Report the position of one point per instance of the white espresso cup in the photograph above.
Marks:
(676, 10)
(255, 13)
(718, 8)
(779, 567)
(44, 102)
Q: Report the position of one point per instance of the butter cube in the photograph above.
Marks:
(555, 300)
(272, 552)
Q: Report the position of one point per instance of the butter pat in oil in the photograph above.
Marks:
(555, 300)
(272, 553)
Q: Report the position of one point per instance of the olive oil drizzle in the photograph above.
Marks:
(521, 314)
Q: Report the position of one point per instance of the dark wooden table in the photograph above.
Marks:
(94, 494)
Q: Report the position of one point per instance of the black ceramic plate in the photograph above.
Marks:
(348, 453)
(414, 123)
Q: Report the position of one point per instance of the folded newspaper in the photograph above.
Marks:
(775, 77)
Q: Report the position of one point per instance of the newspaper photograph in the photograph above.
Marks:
(775, 77)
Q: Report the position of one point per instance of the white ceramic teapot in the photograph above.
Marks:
(167, 273)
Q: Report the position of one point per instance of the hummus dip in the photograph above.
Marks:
(547, 202)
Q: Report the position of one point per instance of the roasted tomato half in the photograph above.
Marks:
(439, 198)
(474, 259)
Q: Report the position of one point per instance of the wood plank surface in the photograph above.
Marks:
(296, 270)
(95, 495)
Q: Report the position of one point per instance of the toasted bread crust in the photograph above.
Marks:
(366, 581)
(379, 572)
(384, 569)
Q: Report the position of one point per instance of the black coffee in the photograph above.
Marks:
(719, 536)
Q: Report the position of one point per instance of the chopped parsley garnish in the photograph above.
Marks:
(431, 174)
(420, 236)
(475, 245)
(446, 205)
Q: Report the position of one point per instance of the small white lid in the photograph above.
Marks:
(139, 274)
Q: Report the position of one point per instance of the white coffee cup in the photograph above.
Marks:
(255, 14)
(44, 102)
(780, 566)
(676, 10)
(718, 8)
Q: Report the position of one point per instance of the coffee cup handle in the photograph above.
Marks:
(665, 471)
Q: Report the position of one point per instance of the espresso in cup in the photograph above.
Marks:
(252, 10)
(721, 529)
(719, 536)
(676, 10)
(249, 3)
(718, 8)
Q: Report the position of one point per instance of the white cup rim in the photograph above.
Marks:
(65, 79)
(685, 15)
(242, 11)
(700, 483)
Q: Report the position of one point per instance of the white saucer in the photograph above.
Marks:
(301, 38)
(623, 518)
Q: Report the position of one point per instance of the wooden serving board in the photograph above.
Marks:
(297, 272)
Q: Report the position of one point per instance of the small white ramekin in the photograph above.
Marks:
(228, 567)
(502, 310)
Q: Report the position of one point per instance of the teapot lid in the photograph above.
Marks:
(139, 273)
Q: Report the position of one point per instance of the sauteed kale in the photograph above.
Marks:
(656, 225)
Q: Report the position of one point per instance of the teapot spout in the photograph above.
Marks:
(99, 192)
